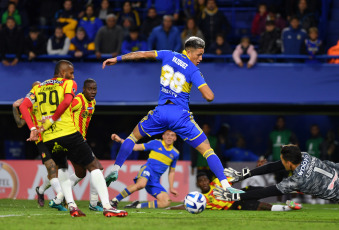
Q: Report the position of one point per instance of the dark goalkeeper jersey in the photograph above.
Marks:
(314, 177)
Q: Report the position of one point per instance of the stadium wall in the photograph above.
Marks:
(138, 83)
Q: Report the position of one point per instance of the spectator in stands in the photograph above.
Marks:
(200, 6)
(258, 23)
(292, 37)
(90, 23)
(11, 42)
(35, 43)
(81, 45)
(47, 11)
(128, 12)
(165, 36)
(103, 11)
(239, 152)
(59, 43)
(312, 45)
(127, 23)
(109, 38)
(191, 29)
(152, 20)
(307, 19)
(273, 15)
(133, 42)
(314, 144)
(220, 46)
(270, 40)
(212, 21)
(13, 12)
(166, 7)
(245, 47)
(67, 19)
(334, 51)
(330, 148)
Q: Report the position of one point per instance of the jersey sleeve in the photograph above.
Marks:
(70, 87)
(174, 163)
(198, 80)
(76, 104)
(288, 185)
(31, 95)
(162, 54)
(152, 145)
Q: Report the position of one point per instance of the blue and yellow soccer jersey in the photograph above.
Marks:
(178, 74)
(161, 158)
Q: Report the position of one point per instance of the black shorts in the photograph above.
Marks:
(72, 147)
(44, 152)
(245, 205)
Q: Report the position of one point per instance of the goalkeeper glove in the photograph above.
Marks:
(221, 194)
(236, 176)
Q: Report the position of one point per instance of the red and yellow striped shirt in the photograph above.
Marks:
(35, 116)
(83, 111)
(212, 202)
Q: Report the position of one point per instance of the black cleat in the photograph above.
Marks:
(41, 197)
(133, 204)
(114, 204)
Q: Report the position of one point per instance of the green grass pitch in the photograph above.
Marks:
(26, 214)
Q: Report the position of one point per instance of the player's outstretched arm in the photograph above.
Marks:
(18, 120)
(137, 147)
(133, 56)
(207, 93)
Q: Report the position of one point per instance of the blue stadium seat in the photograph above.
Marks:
(335, 14)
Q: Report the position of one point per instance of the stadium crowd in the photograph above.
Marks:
(95, 27)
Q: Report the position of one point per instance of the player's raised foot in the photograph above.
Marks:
(133, 204)
(76, 212)
(41, 197)
(97, 208)
(52, 204)
(114, 204)
(114, 212)
(113, 176)
(294, 205)
(234, 190)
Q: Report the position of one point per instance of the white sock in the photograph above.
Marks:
(66, 186)
(99, 183)
(93, 195)
(225, 184)
(280, 208)
(138, 206)
(45, 185)
(57, 188)
(74, 179)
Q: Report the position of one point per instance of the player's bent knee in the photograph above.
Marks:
(51, 169)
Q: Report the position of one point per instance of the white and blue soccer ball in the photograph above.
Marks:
(195, 202)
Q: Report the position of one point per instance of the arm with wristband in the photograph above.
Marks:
(133, 56)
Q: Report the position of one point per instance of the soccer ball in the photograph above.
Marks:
(195, 202)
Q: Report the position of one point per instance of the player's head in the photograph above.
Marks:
(290, 156)
(90, 89)
(203, 182)
(194, 48)
(64, 69)
(36, 83)
(169, 137)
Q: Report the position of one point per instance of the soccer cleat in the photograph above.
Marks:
(52, 204)
(113, 176)
(293, 205)
(234, 190)
(114, 212)
(97, 208)
(76, 212)
(114, 204)
(41, 197)
(133, 204)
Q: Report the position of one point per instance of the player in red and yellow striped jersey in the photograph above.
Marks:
(83, 106)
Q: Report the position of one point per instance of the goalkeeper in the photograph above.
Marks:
(310, 176)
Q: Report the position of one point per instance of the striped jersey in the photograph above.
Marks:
(49, 94)
(212, 202)
(83, 111)
(35, 116)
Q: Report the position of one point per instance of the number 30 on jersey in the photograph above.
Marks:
(175, 80)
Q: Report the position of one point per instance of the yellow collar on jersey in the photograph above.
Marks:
(185, 53)
(164, 144)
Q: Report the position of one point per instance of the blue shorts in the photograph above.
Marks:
(175, 118)
(153, 186)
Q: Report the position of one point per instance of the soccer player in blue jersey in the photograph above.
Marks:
(163, 155)
(179, 71)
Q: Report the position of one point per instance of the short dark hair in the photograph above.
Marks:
(133, 28)
(294, 18)
(291, 153)
(270, 23)
(33, 29)
(195, 43)
(10, 18)
(201, 174)
(89, 80)
(59, 65)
